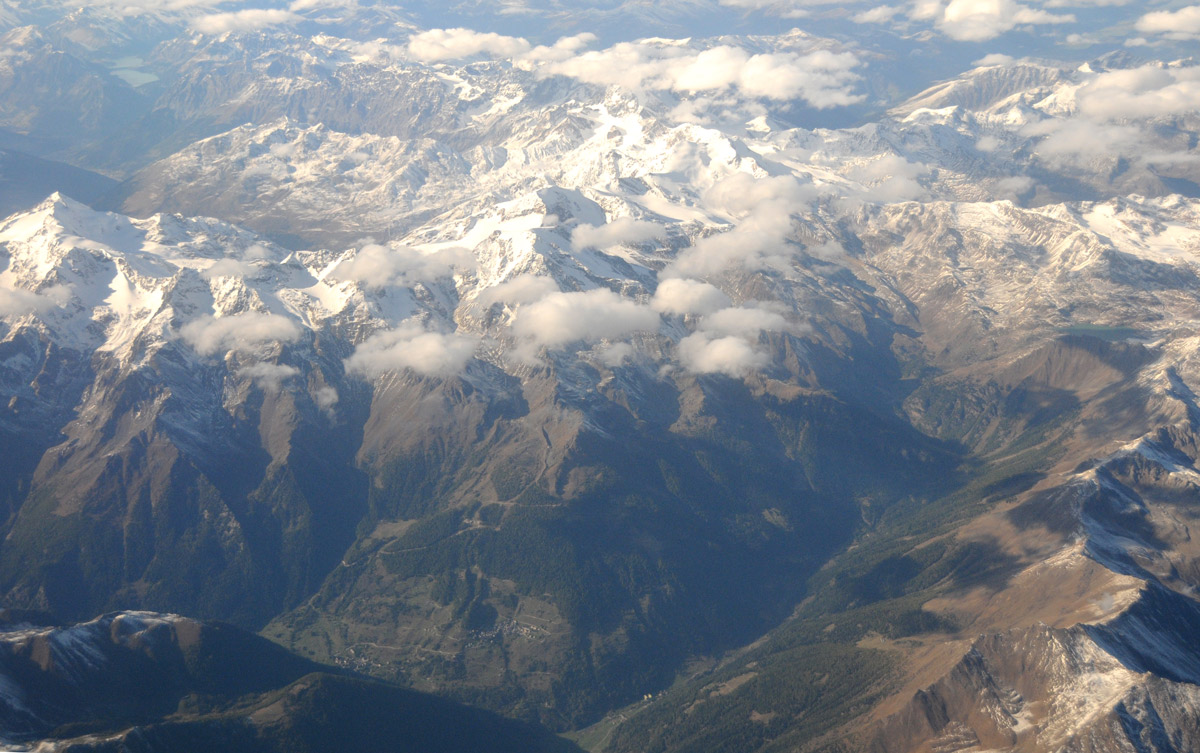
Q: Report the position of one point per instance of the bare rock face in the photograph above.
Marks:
(634, 407)
(1128, 682)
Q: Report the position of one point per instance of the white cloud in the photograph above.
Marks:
(995, 58)
(1181, 24)
(376, 266)
(732, 356)
(726, 340)
(299, 6)
(880, 15)
(440, 45)
(830, 251)
(926, 10)
(782, 8)
(228, 267)
(757, 242)
(1072, 139)
(437, 45)
(614, 355)
(411, 346)
(821, 78)
(1109, 106)
(891, 178)
(683, 296)
(775, 7)
(130, 8)
(525, 288)
(210, 335)
(564, 49)
(1013, 187)
(980, 20)
(561, 318)
(763, 208)
(249, 19)
(715, 68)
(1147, 92)
(326, 398)
(620, 231)
(741, 193)
(988, 143)
(743, 321)
(268, 376)
(18, 301)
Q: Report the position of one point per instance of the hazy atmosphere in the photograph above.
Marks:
(695, 376)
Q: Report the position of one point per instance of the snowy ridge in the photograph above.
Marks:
(455, 273)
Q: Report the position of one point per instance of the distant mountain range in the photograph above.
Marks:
(646, 411)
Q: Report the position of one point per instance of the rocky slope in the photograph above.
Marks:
(510, 380)
(153, 682)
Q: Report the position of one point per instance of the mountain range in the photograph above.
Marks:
(719, 393)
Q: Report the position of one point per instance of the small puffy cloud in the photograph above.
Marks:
(741, 194)
(163, 9)
(1068, 140)
(564, 49)
(744, 321)
(411, 346)
(376, 266)
(679, 295)
(879, 15)
(1147, 92)
(250, 19)
(1182, 24)
(733, 356)
(1014, 187)
(561, 318)
(891, 178)
(726, 341)
(1108, 106)
(256, 252)
(437, 45)
(822, 78)
(620, 231)
(326, 398)
(995, 58)
(440, 45)
(926, 10)
(268, 376)
(228, 267)
(981, 20)
(614, 355)
(525, 288)
(775, 7)
(299, 6)
(830, 251)
(18, 301)
(760, 241)
(988, 143)
(211, 335)
(763, 208)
